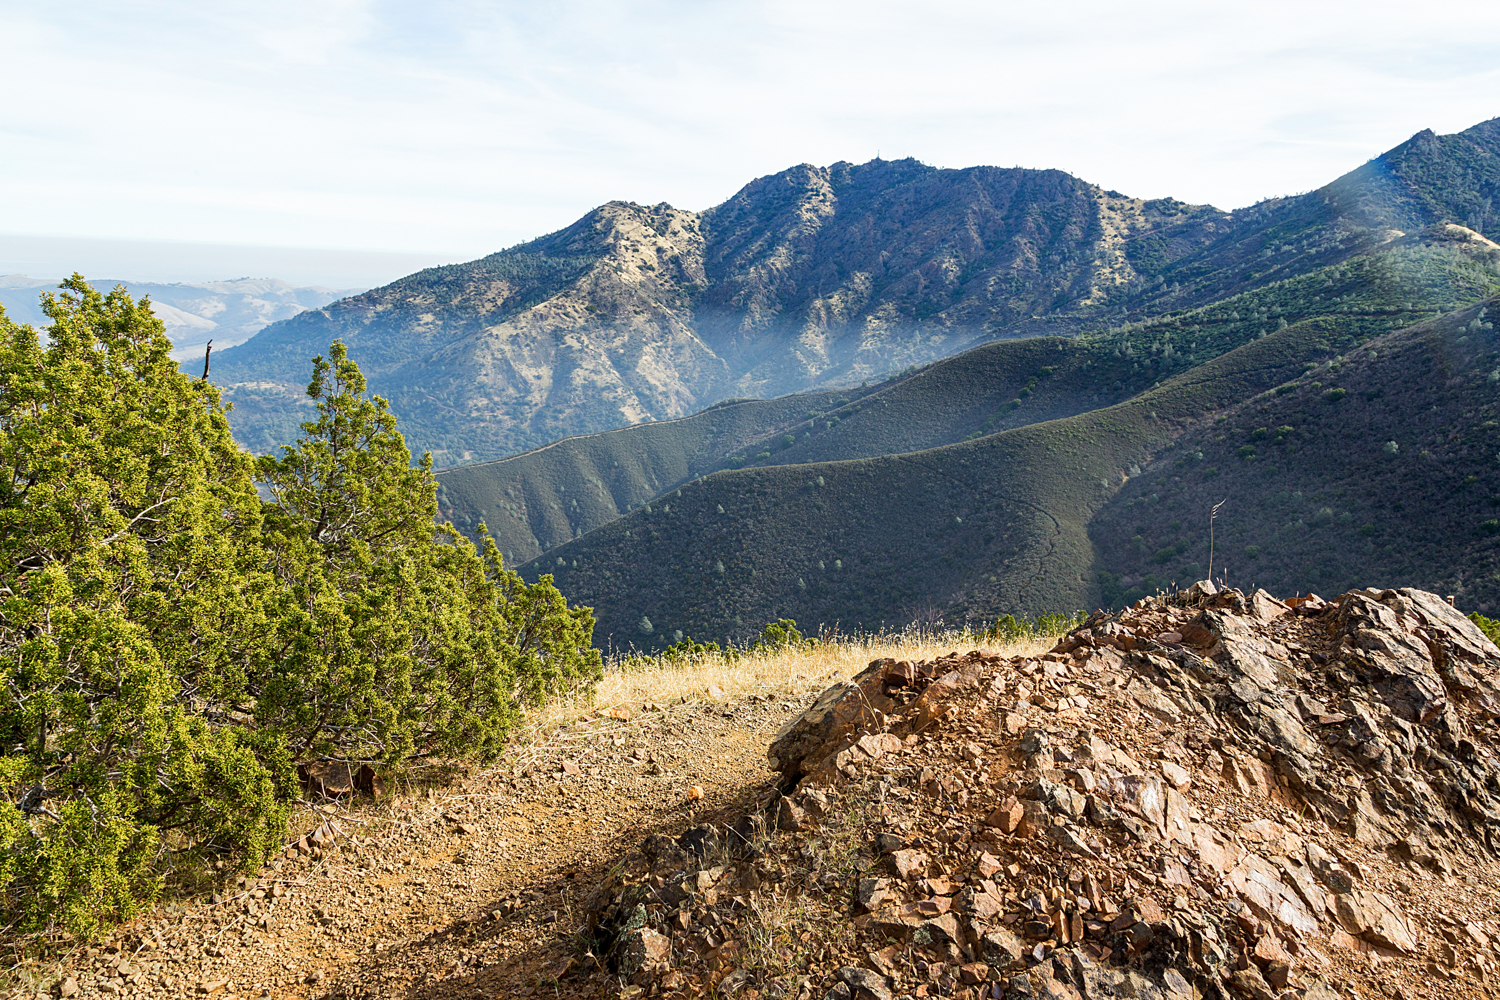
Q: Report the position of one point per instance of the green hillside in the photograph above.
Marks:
(1378, 467)
(997, 524)
(545, 497)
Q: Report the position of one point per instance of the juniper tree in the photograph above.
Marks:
(128, 594)
(172, 645)
(393, 637)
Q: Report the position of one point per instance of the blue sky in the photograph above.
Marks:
(455, 127)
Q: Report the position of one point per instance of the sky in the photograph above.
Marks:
(350, 141)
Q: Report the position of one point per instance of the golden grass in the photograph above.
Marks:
(789, 672)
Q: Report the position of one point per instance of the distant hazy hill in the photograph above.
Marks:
(226, 312)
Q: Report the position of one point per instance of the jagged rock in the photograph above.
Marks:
(1249, 983)
(1207, 782)
(871, 892)
(645, 950)
(909, 863)
(944, 927)
(789, 816)
(1376, 918)
(1006, 816)
(843, 711)
(1003, 950)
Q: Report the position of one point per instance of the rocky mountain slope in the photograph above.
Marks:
(997, 386)
(815, 277)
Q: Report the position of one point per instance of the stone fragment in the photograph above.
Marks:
(1176, 775)
(1033, 742)
(1067, 801)
(789, 816)
(68, 987)
(1376, 918)
(1258, 883)
(1265, 607)
(944, 928)
(1145, 798)
(1006, 816)
(1034, 819)
(840, 712)
(1003, 949)
(983, 901)
(645, 950)
(864, 984)
(1249, 983)
(910, 863)
(876, 745)
(1067, 838)
(871, 892)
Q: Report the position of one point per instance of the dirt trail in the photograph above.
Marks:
(473, 891)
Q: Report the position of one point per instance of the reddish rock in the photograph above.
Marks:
(841, 713)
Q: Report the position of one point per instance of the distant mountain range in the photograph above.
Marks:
(859, 396)
(226, 312)
(814, 277)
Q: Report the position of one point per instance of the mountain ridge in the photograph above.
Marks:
(814, 277)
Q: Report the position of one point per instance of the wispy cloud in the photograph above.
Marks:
(463, 126)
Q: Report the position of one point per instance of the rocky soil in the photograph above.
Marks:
(1208, 795)
(475, 889)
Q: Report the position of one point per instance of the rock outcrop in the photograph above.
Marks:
(1209, 794)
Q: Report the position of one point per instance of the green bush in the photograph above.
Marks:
(1488, 626)
(172, 646)
(779, 635)
(1490, 527)
(1008, 628)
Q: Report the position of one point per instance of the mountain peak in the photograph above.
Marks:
(819, 276)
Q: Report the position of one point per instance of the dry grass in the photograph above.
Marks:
(790, 671)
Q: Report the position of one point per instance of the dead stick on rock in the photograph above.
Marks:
(1211, 515)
